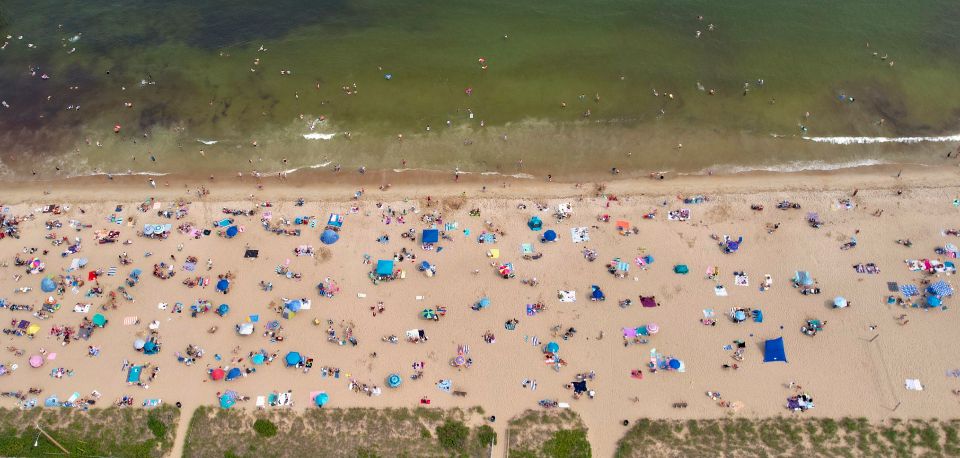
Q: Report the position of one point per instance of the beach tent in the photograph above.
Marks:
(99, 320)
(51, 401)
(803, 278)
(428, 314)
(253, 254)
(384, 268)
(839, 302)
(232, 232)
(321, 399)
(535, 224)
(257, 359)
(430, 236)
(223, 285)
(681, 269)
(47, 285)
(234, 373)
(732, 246)
(933, 301)
(549, 236)
(580, 387)
(596, 293)
(394, 380)
(329, 237)
(773, 350)
(293, 358)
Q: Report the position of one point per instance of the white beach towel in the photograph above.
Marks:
(913, 384)
(81, 308)
(741, 280)
(719, 290)
(580, 234)
(567, 296)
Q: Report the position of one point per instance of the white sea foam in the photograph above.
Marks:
(318, 136)
(208, 142)
(793, 166)
(870, 140)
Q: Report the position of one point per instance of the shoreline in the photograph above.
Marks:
(338, 187)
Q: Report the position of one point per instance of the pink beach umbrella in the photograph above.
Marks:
(653, 328)
(36, 361)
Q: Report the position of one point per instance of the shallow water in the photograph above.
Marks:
(191, 73)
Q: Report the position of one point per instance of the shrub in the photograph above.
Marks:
(265, 428)
(568, 444)
(156, 426)
(453, 435)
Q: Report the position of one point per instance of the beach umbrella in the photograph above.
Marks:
(148, 229)
(139, 344)
(484, 302)
(739, 315)
(99, 320)
(223, 309)
(535, 224)
(234, 373)
(839, 302)
(223, 284)
(653, 328)
(329, 237)
(459, 360)
(47, 285)
(674, 364)
(33, 329)
(933, 301)
(549, 235)
(257, 359)
(321, 399)
(232, 231)
(36, 361)
(150, 347)
(552, 347)
(217, 374)
(428, 314)
(293, 358)
(394, 380)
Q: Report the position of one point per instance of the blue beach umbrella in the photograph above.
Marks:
(223, 309)
(47, 285)
(321, 399)
(234, 373)
(674, 364)
(232, 231)
(293, 358)
(839, 302)
(223, 284)
(257, 359)
(550, 235)
(394, 380)
(227, 400)
(329, 237)
(553, 347)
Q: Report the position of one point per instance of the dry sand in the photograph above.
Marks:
(850, 369)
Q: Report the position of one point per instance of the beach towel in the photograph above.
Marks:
(526, 248)
(494, 253)
(909, 290)
(261, 402)
(451, 226)
(535, 341)
(741, 279)
(112, 271)
(445, 385)
(580, 234)
(941, 288)
(130, 320)
(567, 296)
(81, 308)
(708, 313)
(629, 332)
(913, 384)
(719, 290)
(893, 287)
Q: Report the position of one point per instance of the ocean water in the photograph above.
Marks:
(562, 87)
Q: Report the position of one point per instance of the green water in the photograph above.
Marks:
(608, 57)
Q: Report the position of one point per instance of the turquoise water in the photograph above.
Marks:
(212, 71)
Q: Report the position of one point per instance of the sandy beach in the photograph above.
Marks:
(856, 365)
